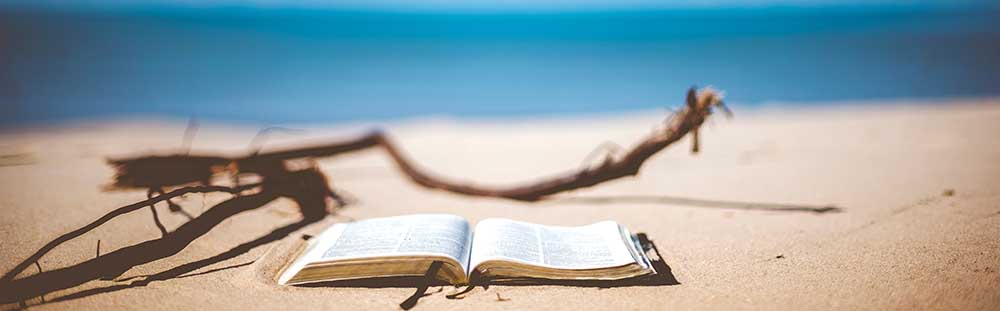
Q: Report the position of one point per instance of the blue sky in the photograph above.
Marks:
(500, 5)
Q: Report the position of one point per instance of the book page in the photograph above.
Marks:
(598, 245)
(431, 234)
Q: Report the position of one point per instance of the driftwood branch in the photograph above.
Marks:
(154, 172)
(686, 120)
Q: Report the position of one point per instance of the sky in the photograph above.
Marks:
(501, 5)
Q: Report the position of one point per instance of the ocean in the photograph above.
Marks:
(277, 66)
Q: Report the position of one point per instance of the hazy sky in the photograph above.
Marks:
(501, 5)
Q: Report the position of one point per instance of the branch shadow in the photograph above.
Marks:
(111, 265)
(183, 271)
(210, 271)
(307, 188)
(108, 266)
(33, 259)
(705, 203)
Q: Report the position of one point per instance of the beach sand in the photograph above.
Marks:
(918, 185)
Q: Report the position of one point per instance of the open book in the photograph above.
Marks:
(500, 249)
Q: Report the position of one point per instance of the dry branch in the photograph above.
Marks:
(150, 172)
(687, 120)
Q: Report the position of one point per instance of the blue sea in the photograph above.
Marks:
(287, 65)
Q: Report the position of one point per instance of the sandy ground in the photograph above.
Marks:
(901, 242)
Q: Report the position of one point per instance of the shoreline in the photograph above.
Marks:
(444, 118)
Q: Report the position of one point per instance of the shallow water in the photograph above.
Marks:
(290, 65)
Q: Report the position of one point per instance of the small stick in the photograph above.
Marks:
(501, 298)
(695, 143)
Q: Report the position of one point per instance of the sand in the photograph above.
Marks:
(918, 184)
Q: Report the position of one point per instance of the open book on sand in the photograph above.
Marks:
(500, 249)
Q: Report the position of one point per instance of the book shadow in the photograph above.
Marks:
(664, 277)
